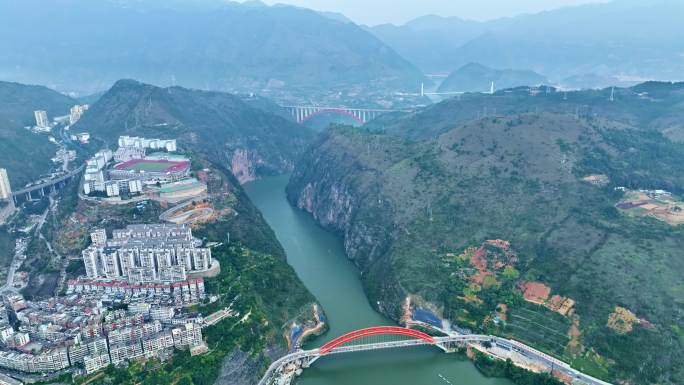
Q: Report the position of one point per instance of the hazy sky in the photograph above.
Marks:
(399, 11)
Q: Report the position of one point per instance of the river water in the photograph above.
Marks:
(318, 258)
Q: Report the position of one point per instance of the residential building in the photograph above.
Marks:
(99, 238)
(6, 334)
(139, 308)
(112, 188)
(83, 137)
(157, 343)
(125, 352)
(76, 112)
(94, 175)
(133, 333)
(148, 253)
(94, 363)
(155, 144)
(125, 154)
(162, 313)
(187, 335)
(175, 294)
(5, 188)
(41, 119)
(76, 329)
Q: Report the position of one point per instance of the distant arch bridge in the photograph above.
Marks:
(361, 115)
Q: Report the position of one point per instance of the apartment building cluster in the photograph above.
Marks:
(176, 294)
(130, 170)
(96, 178)
(144, 143)
(77, 329)
(147, 253)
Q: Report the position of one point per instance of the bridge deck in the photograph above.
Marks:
(313, 354)
(48, 183)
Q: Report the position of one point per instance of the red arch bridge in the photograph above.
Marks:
(394, 337)
(361, 115)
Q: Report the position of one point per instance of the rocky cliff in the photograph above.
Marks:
(336, 196)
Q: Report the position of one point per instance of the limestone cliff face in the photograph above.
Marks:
(331, 185)
(339, 207)
(248, 165)
(242, 166)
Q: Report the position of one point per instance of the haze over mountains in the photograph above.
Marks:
(474, 77)
(619, 41)
(85, 46)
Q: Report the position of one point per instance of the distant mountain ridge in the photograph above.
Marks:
(207, 44)
(623, 40)
(474, 77)
(649, 106)
(243, 135)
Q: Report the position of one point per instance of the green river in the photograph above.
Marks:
(319, 259)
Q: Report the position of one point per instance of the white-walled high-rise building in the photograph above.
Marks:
(147, 253)
(155, 144)
(5, 188)
(41, 119)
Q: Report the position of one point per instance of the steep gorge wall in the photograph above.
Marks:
(342, 195)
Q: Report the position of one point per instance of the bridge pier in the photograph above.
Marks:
(450, 346)
(310, 361)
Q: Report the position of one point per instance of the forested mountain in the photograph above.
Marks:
(622, 41)
(476, 222)
(474, 77)
(250, 139)
(649, 106)
(85, 46)
(24, 154)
